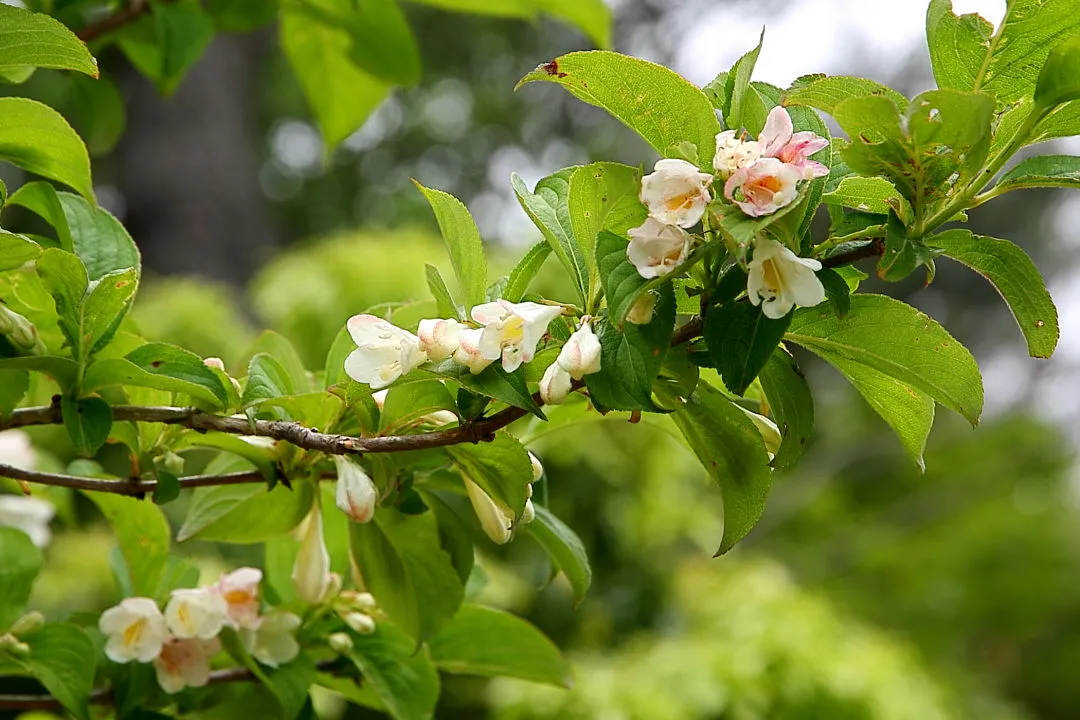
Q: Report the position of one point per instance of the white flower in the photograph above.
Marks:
(537, 469)
(135, 629)
(656, 249)
(214, 363)
(16, 450)
(356, 493)
(496, 520)
(185, 662)
(468, 352)
(580, 356)
(196, 613)
(512, 330)
(676, 193)
(641, 312)
(764, 187)
(770, 434)
(529, 513)
(29, 514)
(439, 338)
(339, 642)
(240, 591)
(779, 279)
(733, 153)
(383, 352)
(555, 385)
(311, 572)
(273, 643)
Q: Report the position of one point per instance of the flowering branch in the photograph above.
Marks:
(104, 695)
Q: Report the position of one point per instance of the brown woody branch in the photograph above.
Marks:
(132, 486)
(129, 13)
(104, 696)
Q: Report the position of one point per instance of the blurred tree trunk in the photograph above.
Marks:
(189, 167)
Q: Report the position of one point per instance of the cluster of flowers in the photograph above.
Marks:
(181, 641)
(760, 177)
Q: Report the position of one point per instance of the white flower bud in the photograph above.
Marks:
(28, 623)
(580, 356)
(555, 385)
(340, 642)
(439, 338)
(496, 521)
(528, 514)
(641, 312)
(356, 493)
(311, 574)
(360, 623)
(537, 468)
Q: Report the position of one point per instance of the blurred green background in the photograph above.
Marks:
(869, 590)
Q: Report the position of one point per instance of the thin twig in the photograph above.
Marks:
(132, 11)
(124, 486)
(104, 696)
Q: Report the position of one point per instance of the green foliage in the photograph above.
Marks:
(21, 563)
(29, 40)
(62, 658)
(36, 138)
(143, 536)
(463, 240)
(565, 549)
(405, 681)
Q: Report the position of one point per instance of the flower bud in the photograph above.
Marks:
(356, 493)
(555, 385)
(12, 645)
(580, 356)
(28, 623)
(641, 312)
(20, 331)
(340, 642)
(468, 352)
(360, 601)
(494, 519)
(439, 338)
(311, 574)
(770, 434)
(214, 363)
(529, 513)
(360, 623)
(537, 468)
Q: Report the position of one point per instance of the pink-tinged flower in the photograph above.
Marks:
(439, 338)
(676, 193)
(185, 663)
(356, 493)
(383, 352)
(764, 187)
(580, 356)
(135, 629)
(468, 352)
(779, 279)
(512, 330)
(656, 249)
(240, 590)
(779, 140)
(733, 152)
(555, 385)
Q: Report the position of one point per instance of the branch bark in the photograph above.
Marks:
(132, 11)
(134, 487)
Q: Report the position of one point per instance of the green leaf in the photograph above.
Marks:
(1041, 171)
(142, 534)
(903, 254)
(661, 106)
(16, 250)
(524, 272)
(97, 237)
(463, 241)
(106, 306)
(65, 372)
(547, 208)
(20, 563)
(437, 286)
(1014, 276)
(266, 379)
(485, 641)
(501, 468)
(603, 196)
(790, 404)
(966, 52)
(405, 681)
(88, 422)
(871, 195)
(1059, 80)
(826, 92)
(245, 513)
(62, 658)
(837, 290)
(340, 94)
(264, 459)
(406, 405)
(492, 381)
(165, 44)
(38, 139)
(564, 548)
(411, 577)
(630, 359)
(14, 385)
(169, 361)
(737, 90)
(285, 354)
(239, 16)
(893, 338)
(106, 372)
(741, 340)
(334, 372)
(36, 40)
(291, 683)
(730, 447)
(65, 278)
(41, 198)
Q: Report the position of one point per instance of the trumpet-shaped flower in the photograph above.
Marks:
(734, 153)
(356, 493)
(185, 662)
(656, 249)
(29, 514)
(135, 629)
(196, 613)
(273, 642)
(383, 352)
(763, 187)
(779, 140)
(512, 330)
(311, 574)
(676, 193)
(440, 339)
(240, 591)
(469, 353)
(496, 520)
(779, 279)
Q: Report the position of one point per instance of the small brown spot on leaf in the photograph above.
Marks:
(157, 363)
(122, 283)
(552, 68)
